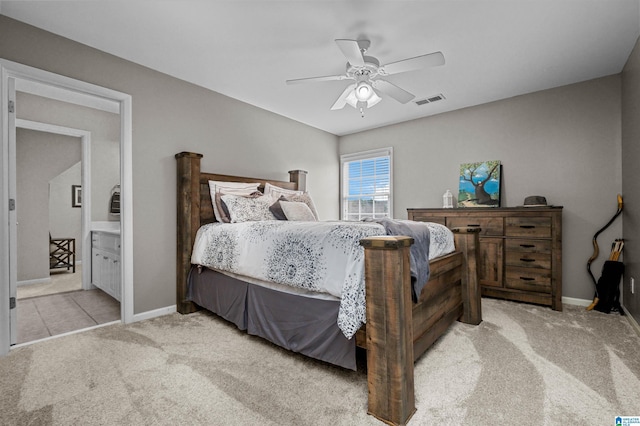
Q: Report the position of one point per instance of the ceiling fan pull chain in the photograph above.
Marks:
(362, 105)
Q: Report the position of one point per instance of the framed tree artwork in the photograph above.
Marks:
(480, 184)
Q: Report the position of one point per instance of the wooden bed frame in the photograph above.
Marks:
(398, 331)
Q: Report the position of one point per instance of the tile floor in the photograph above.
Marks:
(60, 306)
(44, 316)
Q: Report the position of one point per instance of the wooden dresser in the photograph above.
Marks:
(520, 249)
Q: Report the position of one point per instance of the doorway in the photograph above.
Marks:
(17, 77)
(54, 182)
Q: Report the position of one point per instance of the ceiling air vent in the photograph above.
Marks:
(430, 99)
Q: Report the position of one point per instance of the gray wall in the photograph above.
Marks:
(562, 143)
(169, 116)
(631, 183)
(65, 221)
(105, 142)
(40, 157)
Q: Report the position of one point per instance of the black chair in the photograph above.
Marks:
(62, 253)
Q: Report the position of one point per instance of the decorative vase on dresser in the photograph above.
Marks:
(520, 249)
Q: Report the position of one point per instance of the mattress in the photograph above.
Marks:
(312, 258)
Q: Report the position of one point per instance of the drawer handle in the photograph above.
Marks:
(527, 245)
(474, 225)
(527, 260)
(527, 226)
(527, 278)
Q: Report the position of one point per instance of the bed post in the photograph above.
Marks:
(188, 201)
(389, 328)
(466, 240)
(299, 177)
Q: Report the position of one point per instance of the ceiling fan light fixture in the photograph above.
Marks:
(353, 100)
(363, 91)
(373, 100)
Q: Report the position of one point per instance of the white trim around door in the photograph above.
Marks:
(12, 76)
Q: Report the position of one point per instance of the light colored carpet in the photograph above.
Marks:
(61, 281)
(524, 365)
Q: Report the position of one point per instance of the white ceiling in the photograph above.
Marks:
(494, 49)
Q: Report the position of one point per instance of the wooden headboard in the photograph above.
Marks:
(195, 209)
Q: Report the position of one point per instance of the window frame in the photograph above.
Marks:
(345, 159)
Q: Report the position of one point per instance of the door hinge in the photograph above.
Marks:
(12, 204)
(12, 303)
(12, 106)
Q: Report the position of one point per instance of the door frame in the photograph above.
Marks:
(13, 74)
(85, 142)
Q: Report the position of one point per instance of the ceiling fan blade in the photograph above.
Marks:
(392, 90)
(411, 64)
(315, 79)
(342, 100)
(351, 50)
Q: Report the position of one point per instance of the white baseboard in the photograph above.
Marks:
(576, 302)
(155, 313)
(584, 302)
(632, 321)
(36, 281)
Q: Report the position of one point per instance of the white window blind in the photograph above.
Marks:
(367, 184)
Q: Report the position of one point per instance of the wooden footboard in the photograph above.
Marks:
(397, 331)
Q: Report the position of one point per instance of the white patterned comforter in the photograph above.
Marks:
(323, 257)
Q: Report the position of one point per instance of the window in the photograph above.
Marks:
(366, 184)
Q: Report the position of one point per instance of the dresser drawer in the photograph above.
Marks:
(528, 260)
(523, 226)
(427, 218)
(528, 279)
(489, 225)
(528, 245)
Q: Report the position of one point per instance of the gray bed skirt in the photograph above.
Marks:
(300, 324)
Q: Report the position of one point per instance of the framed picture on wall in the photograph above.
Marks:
(76, 195)
(480, 184)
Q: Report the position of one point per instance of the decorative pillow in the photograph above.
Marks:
(276, 209)
(233, 188)
(243, 209)
(297, 210)
(304, 198)
(277, 192)
(223, 210)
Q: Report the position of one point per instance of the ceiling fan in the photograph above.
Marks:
(367, 74)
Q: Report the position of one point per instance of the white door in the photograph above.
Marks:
(13, 206)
